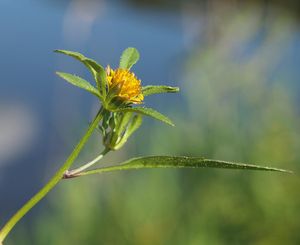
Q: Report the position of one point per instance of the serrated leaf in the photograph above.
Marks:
(90, 63)
(79, 82)
(153, 89)
(128, 58)
(96, 69)
(149, 112)
(180, 162)
(101, 81)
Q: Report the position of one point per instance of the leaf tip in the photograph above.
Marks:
(129, 57)
(133, 49)
(57, 50)
(58, 73)
(287, 171)
(169, 122)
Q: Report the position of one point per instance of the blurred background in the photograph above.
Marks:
(237, 64)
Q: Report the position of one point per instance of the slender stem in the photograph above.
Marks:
(52, 182)
(74, 172)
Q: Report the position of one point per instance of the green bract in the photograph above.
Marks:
(97, 71)
(128, 58)
(120, 126)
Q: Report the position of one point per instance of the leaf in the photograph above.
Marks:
(151, 89)
(101, 81)
(180, 162)
(105, 119)
(79, 82)
(125, 118)
(96, 69)
(89, 63)
(120, 127)
(149, 112)
(134, 124)
(128, 58)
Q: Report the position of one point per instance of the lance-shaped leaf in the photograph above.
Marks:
(125, 119)
(151, 89)
(96, 69)
(133, 125)
(128, 58)
(90, 63)
(79, 82)
(120, 127)
(148, 112)
(180, 162)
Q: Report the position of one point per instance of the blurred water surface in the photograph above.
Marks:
(237, 66)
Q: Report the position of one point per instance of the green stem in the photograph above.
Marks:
(75, 172)
(53, 181)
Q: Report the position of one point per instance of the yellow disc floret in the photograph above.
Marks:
(125, 84)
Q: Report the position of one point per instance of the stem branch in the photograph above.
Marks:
(75, 172)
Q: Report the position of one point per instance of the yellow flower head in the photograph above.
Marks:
(125, 83)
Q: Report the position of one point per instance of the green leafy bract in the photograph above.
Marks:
(152, 89)
(125, 118)
(136, 122)
(128, 58)
(148, 112)
(96, 69)
(180, 162)
(79, 82)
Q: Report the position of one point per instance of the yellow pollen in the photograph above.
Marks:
(127, 85)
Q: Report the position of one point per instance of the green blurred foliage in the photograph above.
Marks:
(230, 110)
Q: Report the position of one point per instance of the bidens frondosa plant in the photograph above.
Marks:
(121, 111)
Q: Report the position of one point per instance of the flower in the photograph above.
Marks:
(125, 85)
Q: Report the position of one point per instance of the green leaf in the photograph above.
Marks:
(89, 63)
(79, 82)
(125, 118)
(96, 69)
(105, 120)
(148, 112)
(101, 81)
(151, 89)
(120, 126)
(128, 58)
(180, 162)
(134, 125)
